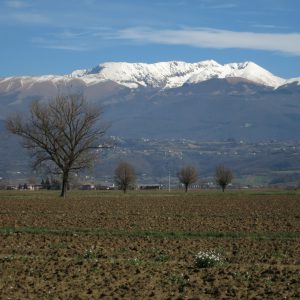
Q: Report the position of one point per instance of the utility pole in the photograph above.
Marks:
(169, 172)
(169, 181)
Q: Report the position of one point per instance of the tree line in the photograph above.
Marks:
(125, 176)
(64, 135)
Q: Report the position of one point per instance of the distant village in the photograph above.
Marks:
(263, 164)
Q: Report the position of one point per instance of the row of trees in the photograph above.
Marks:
(189, 175)
(125, 176)
(63, 135)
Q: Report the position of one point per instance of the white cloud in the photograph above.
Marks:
(65, 40)
(287, 43)
(17, 4)
(67, 47)
(26, 18)
(269, 26)
(222, 6)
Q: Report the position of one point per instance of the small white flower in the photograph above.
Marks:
(205, 259)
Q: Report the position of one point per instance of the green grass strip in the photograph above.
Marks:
(153, 234)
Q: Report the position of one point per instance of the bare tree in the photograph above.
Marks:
(61, 134)
(187, 175)
(223, 176)
(124, 175)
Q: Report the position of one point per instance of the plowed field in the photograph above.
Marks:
(106, 245)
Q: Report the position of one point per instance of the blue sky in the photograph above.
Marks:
(59, 36)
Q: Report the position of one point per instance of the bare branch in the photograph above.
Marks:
(187, 175)
(124, 175)
(63, 132)
(223, 176)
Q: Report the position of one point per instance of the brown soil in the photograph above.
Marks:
(79, 262)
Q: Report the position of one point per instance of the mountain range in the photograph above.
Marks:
(202, 101)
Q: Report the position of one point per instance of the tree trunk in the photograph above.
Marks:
(186, 187)
(223, 188)
(64, 185)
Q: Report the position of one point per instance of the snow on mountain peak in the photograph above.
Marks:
(293, 81)
(78, 73)
(253, 72)
(174, 73)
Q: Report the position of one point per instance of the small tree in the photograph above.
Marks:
(124, 175)
(47, 184)
(223, 176)
(187, 175)
(60, 134)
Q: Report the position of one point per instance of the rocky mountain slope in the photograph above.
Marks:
(201, 101)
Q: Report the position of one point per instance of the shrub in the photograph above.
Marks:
(207, 259)
(89, 253)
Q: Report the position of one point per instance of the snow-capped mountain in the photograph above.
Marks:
(204, 100)
(293, 80)
(175, 73)
(162, 75)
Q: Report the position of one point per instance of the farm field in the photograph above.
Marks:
(142, 245)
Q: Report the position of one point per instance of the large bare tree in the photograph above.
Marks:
(223, 176)
(61, 134)
(124, 175)
(187, 175)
